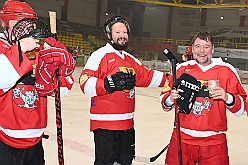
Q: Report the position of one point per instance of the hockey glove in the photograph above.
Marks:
(119, 82)
(52, 42)
(44, 89)
(130, 79)
(190, 87)
(44, 78)
(59, 57)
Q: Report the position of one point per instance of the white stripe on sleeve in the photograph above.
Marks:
(90, 87)
(156, 79)
(9, 75)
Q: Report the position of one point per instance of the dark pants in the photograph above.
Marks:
(114, 145)
(15, 156)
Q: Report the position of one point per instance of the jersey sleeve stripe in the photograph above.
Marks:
(242, 108)
(90, 87)
(7, 69)
(156, 79)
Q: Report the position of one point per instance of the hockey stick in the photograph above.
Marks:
(151, 159)
(177, 120)
(170, 57)
(174, 62)
(52, 16)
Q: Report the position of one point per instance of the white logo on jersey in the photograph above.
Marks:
(111, 60)
(28, 97)
(201, 108)
(129, 93)
(187, 70)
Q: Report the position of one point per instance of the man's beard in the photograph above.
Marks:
(117, 46)
(207, 61)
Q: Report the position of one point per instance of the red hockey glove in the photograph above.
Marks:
(53, 43)
(45, 71)
(59, 57)
(45, 89)
(44, 78)
(67, 67)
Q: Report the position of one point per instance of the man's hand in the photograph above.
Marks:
(119, 81)
(28, 44)
(175, 94)
(219, 93)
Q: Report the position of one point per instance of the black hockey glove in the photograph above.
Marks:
(119, 82)
(191, 87)
(130, 79)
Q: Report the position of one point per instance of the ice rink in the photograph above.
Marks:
(153, 129)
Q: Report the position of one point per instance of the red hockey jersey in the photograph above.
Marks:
(23, 112)
(207, 122)
(114, 111)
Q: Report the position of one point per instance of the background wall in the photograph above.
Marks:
(184, 20)
(155, 21)
(154, 24)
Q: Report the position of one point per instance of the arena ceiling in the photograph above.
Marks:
(200, 4)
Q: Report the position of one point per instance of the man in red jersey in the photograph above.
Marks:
(109, 78)
(202, 129)
(26, 81)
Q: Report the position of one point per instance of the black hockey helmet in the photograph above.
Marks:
(30, 27)
(112, 20)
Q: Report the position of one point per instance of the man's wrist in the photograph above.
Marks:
(230, 100)
(168, 102)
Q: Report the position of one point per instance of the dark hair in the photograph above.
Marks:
(204, 35)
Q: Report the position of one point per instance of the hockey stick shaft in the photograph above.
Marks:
(177, 119)
(174, 63)
(52, 16)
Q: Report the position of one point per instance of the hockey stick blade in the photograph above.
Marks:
(141, 159)
(170, 55)
(151, 159)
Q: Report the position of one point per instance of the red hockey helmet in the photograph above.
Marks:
(16, 10)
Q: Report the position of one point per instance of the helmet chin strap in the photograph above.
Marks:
(20, 53)
(7, 35)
